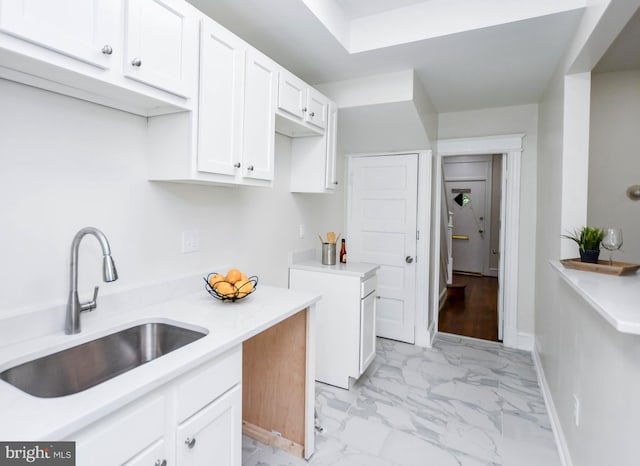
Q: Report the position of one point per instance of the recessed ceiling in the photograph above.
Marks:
(504, 58)
(359, 8)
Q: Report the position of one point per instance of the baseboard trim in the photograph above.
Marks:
(561, 442)
(526, 341)
(442, 300)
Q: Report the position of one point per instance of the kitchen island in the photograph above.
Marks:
(241, 339)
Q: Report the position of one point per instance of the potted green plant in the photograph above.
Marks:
(588, 240)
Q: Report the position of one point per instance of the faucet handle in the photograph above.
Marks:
(91, 305)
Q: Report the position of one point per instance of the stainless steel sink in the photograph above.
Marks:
(80, 367)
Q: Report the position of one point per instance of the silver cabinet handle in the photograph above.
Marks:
(236, 165)
(162, 462)
(190, 442)
(408, 259)
(312, 114)
(250, 168)
(136, 62)
(107, 50)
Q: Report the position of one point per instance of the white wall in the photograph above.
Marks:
(68, 164)
(581, 355)
(509, 120)
(614, 164)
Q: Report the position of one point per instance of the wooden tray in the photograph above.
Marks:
(617, 268)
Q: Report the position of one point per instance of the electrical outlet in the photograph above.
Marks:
(302, 229)
(190, 241)
(576, 410)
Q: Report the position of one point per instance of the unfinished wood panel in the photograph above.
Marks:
(269, 438)
(273, 379)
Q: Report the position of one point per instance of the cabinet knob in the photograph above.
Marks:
(304, 110)
(136, 62)
(161, 462)
(336, 183)
(236, 165)
(250, 168)
(107, 50)
(312, 114)
(190, 442)
(408, 259)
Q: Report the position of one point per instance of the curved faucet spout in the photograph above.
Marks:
(109, 273)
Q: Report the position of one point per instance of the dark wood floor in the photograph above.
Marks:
(474, 314)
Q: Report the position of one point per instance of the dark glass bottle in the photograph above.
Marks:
(343, 252)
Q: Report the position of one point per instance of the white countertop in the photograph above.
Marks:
(308, 260)
(25, 417)
(616, 298)
(359, 269)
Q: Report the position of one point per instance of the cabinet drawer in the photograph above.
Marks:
(121, 436)
(208, 382)
(368, 286)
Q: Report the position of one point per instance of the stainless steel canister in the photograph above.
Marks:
(328, 253)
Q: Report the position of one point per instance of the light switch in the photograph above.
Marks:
(302, 229)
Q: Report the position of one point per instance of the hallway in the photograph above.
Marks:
(474, 314)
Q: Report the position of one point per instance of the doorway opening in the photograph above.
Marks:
(510, 146)
(473, 196)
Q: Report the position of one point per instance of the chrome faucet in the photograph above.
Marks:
(109, 273)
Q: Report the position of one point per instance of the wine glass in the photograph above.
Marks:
(612, 241)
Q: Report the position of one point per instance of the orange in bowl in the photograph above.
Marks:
(225, 289)
(215, 278)
(233, 276)
(244, 287)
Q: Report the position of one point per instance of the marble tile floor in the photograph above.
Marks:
(464, 402)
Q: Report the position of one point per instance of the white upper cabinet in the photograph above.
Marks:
(83, 29)
(302, 105)
(331, 177)
(222, 65)
(159, 44)
(317, 108)
(292, 95)
(258, 140)
(313, 159)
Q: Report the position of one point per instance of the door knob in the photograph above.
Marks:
(408, 259)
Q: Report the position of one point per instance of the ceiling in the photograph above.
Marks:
(468, 54)
(360, 8)
(623, 54)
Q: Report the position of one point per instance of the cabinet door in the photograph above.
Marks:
(261, 86)
(83, 29)
(123, 435)
(222, 57)
(159, 44)
(367, 331)
(331, 179)
(292, 93)
(213, 435)
(155, 454)
(317, 109)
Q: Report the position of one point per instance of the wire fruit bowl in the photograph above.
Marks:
(238, 293)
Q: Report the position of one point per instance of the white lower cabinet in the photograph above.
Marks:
(213, 434)
(154, 455)
(346, 333)
(194, 420)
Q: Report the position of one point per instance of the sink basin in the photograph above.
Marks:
(80, 367)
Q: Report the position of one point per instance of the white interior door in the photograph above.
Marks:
(381, 229)
(470, 235)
